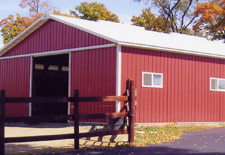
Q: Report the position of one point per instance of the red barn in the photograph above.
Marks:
(179, 78)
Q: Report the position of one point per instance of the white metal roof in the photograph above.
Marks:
(129, 35)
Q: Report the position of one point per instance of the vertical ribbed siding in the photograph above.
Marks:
(93, 72)
(15, 77)
(185, 96)
(55, 36)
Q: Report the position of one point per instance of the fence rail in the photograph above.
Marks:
(65, 117)
(75, 117)
(63, 99)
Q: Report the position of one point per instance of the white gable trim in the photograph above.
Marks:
(23, 34)
(37, 24)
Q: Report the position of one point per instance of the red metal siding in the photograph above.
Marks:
(53, 36)
(93, 72)
(14, 79)
(185, 96)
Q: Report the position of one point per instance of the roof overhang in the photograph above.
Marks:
(170, 50)
(114, 40)
(24, 34)
(37, 24)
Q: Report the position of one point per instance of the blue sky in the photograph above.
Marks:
(123, 8)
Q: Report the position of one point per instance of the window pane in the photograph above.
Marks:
(53, 68)
(39, 66)
(157, 79)
(65, 68)
(213, 83)
(148, 79)
(222, 84)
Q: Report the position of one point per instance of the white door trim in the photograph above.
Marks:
(31, 80)
(118, 76)
(69, 83)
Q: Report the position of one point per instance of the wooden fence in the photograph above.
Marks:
(129, 112)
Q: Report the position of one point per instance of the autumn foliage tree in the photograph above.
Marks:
(36, 6)
(12, 26)
(94, 11)
(151, 21)
(212, 20)
(178, 15)
(57, 12)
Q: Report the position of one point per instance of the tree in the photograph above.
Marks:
(150, 21)
(178, 14)
(12, 26)
(57, 12)
(94, 11)
(212, 20)
(36, 7)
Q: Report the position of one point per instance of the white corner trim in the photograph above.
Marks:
(118, 76)
(64, 51)
(30, 91)
(69, 83)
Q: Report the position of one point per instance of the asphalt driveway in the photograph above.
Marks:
(210, 141)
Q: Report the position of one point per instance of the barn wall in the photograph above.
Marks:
(185, 96)
(15, 80)
(53, 36)
(93, 72)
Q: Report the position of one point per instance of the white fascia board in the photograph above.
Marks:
(118, 76)
(59, 51)
(171, 50)
(24, 34)
(83, 29)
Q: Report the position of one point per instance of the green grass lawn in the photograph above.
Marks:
(158, 134)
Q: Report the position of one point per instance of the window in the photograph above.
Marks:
(217, 84)
(39, 66)
(53, 68)
(152, 79)
(65, 68)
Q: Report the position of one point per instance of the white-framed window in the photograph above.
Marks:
(150, 79)
(217, 84)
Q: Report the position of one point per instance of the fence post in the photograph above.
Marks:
(131, 111)
(2, 122)
(76, 119)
